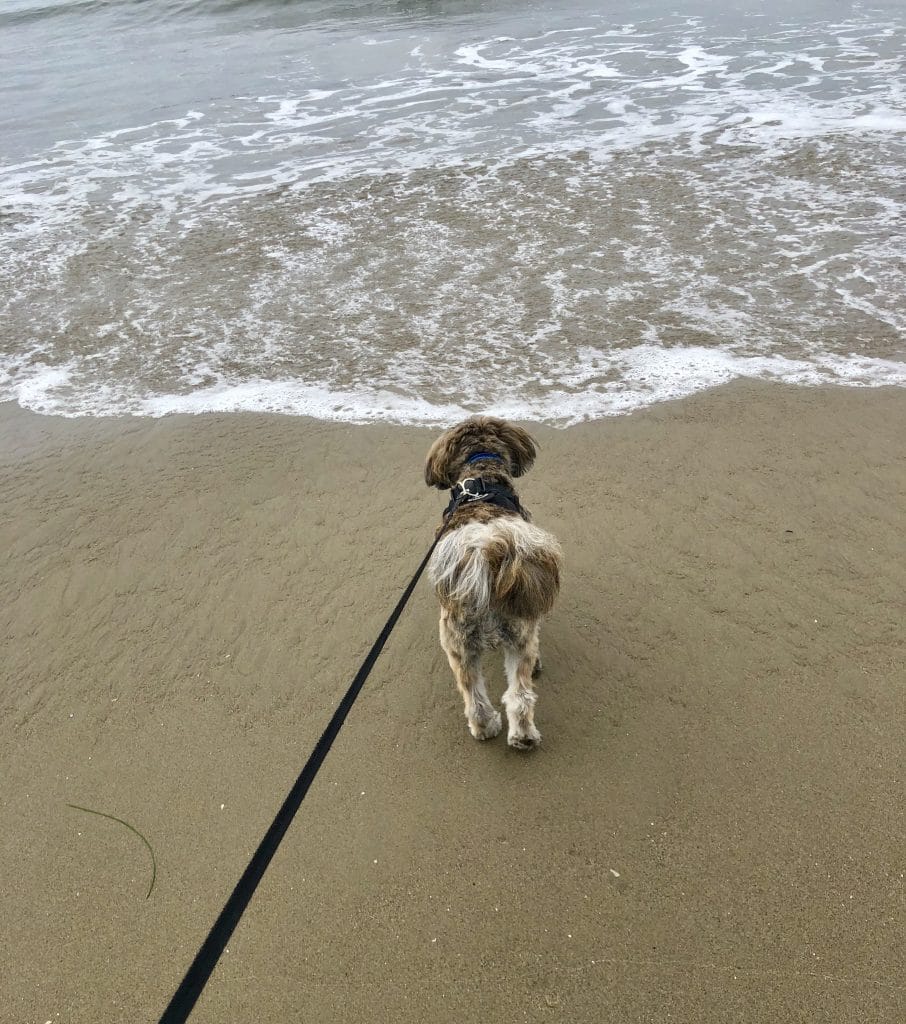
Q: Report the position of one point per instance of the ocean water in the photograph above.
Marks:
(412, 210)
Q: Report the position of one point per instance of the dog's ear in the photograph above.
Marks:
(438, 463)
(519, 446)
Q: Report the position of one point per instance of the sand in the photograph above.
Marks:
(713, 829)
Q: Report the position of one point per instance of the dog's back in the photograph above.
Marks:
(505, 567)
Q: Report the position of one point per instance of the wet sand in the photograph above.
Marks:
(711, 831)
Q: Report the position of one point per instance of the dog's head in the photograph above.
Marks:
(448, 456)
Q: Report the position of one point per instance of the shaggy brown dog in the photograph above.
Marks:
(495, 573)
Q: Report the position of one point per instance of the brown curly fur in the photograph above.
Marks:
(447, 458)
(494, 574)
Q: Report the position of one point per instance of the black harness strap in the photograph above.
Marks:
(201, 968)
(475, 488)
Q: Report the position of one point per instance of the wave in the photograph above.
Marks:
(476, 213)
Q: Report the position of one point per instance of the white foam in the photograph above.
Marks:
(642, 97)
(648, 374)
(330, 133)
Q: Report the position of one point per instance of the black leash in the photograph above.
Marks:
(201, 968)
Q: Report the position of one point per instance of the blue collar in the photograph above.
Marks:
(483, 455)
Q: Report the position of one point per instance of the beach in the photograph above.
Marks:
(711, 831)
(255, 257)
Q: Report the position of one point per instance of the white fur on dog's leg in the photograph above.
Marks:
(486, 730)
(528, 741)
(519, 701)
(522, 733)
(484, 721)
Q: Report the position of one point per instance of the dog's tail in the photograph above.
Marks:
(505, 565)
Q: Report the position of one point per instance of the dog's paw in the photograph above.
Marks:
(486, 730)
(527, 740)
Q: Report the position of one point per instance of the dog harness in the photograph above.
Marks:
(474, 488)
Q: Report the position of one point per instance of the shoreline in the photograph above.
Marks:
(711, 828)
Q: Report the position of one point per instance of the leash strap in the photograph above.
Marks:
(201, 968)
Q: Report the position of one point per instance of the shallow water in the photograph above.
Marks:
(408, 210)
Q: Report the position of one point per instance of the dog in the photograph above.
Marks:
(495, 573)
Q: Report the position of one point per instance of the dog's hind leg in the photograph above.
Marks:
(484, 721)
(519, 699)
